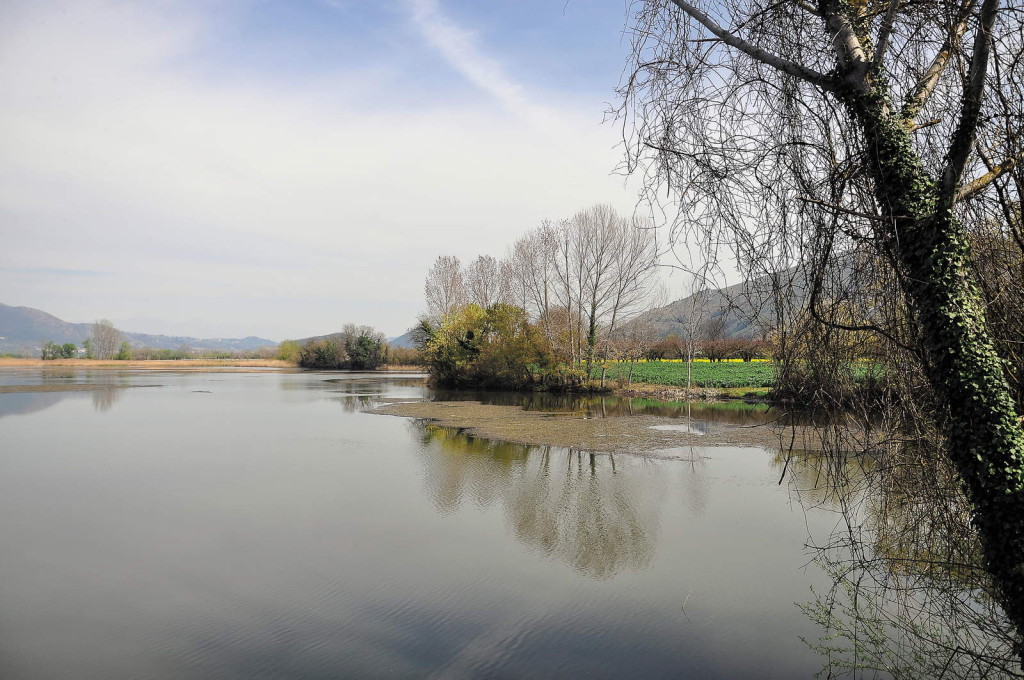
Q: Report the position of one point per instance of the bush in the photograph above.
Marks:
(496, 348)
(324, 354)
(358, 348)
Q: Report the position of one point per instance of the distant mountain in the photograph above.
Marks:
(742, 310)
(23, 329)
(404, 341)
(401, 341)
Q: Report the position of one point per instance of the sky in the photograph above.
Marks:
(226, 168)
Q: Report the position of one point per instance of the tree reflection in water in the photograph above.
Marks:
(595, 512)
(910, 598)
(103, 399)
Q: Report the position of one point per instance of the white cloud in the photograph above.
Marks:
(117, 157)
(461, 50)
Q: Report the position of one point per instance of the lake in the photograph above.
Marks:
(263, 524)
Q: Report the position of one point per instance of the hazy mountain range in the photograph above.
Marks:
(736, 307)
(24, 330)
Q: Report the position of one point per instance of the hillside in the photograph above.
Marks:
(24, 329)
(742, 310)
(404, 341)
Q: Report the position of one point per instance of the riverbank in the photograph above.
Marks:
(707, 394)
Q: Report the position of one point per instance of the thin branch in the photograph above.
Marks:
(837, 208)
(927, 123)
(761, 55)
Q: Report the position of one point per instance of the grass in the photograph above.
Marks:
(730, 375)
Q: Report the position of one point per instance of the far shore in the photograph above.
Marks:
(7, 362)
(632, 391)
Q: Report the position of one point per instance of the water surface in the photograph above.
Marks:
(262, 525)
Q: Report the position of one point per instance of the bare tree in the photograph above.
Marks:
(604, 270)
(485, 281)
(803, 133)
(630, 344)
(531, 274)
(105, 340)
(445, 287)
(691, 312)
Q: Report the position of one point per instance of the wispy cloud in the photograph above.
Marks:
(267, 206)
(461, 50)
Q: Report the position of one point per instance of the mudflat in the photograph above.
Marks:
(641, 434)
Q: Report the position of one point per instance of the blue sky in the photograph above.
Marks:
(279, 168)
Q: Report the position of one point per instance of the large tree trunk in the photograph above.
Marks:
(931, 251)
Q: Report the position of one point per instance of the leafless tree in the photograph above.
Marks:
(105, 339)
(531, 274)
(485, 281)
(445, 287)
(810, 133)
(604, 270)
(631, 343)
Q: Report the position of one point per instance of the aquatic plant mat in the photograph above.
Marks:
(615, 434)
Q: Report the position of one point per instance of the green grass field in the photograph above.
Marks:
(705, 374)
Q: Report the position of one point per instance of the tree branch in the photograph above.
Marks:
(761, 55)
(837, 208)
(977, 185)
(967, 129)
(918, 97)
(849, 51)
(885, 31)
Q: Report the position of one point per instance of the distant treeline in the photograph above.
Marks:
(360, 348)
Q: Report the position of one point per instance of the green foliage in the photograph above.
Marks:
(50, 351)
(124, 352)
(289, 350)
(495, 348)
(87, 344)
(704, 374)
(148, 353)
(68, 350)
(366, 352)
(358, 348)
(323, 354)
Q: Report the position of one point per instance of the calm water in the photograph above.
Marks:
(262, 525)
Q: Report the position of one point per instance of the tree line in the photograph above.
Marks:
(104, 342)
(547, 312)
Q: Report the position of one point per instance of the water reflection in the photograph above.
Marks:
(835, 480)
(356, 403)
(909, 593)
(604, 406)
(24, 403)
(598, 513)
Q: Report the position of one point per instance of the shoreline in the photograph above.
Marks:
(8, 362)
(703, 394)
